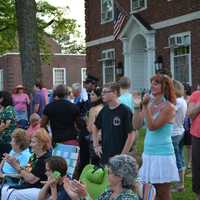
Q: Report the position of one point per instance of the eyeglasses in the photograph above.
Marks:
(106, 91)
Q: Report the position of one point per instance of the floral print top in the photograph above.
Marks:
(8, 113)
(125, 195)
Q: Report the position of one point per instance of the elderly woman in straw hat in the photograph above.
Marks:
(122, 172)
(20, 101)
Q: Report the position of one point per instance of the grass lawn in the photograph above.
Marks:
(188, 194)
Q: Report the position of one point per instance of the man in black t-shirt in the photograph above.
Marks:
(115, 123)
(63, 115)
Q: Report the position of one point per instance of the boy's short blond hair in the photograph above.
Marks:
(35, 117)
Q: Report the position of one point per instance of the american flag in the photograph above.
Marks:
(119, 17)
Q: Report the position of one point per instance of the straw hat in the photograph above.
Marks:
(19, 87)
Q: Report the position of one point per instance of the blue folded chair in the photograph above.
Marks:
(70, 153)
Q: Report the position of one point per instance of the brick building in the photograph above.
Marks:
(61, 69)
(156, 34)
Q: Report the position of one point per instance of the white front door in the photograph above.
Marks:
(138, 70)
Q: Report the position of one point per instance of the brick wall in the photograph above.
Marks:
(156, 11)
(11, 66)
(94, 66)
(72, 64)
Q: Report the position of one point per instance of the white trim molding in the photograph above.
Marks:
(176, 20)
(54, 54)
(159, 25)
(100, 41)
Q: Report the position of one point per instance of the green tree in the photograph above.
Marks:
(7, 26)
(50, 19)
(32, 24)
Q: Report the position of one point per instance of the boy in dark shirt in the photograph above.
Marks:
(115, 123)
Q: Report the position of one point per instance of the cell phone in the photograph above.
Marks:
(56, 174)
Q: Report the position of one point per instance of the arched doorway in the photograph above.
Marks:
(139, 52)
(139, 62)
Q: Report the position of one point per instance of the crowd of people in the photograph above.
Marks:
(104, 123)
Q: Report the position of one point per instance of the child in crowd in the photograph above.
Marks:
(34, 124)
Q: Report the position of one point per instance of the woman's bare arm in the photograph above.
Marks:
(166, 115)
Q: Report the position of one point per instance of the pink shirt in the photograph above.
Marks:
(195, 127)
(31, 130)
(20, 101)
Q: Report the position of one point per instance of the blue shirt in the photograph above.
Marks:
(38, 98)
(127, 99)
(22, 157)
(159, 142)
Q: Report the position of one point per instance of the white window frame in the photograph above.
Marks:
(138, 9)
(1, 80)
(54, 74)
(103, 21)
(83, 75)
(189, 55)
(106, 67)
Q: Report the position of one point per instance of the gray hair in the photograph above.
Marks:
(76, 87)
(124, 166)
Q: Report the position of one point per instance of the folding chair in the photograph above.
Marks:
(145, 191)
(70, 153)
(149, 192)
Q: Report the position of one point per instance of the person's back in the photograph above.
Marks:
(38, 99)
(62, 115)
(127, 99)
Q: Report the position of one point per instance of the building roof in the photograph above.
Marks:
(142, 21)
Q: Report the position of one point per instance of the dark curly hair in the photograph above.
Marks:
(57, 163)
(167, 86)
(6, 99)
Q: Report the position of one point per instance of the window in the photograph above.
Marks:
(1, 79)
(107, 13)
(108, 64)
(59, 76)
(181, 57)
(138, 5)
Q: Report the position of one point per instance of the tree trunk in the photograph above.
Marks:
(28, 41)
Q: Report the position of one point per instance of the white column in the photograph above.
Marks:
(150, 56)
(125, 53)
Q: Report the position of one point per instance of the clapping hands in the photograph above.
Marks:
(11, 160)
(75, 189)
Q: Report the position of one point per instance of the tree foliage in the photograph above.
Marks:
(50, 19)
(8, 40)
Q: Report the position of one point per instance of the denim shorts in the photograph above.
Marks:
(178, 149)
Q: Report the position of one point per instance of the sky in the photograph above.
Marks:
(76, 11)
